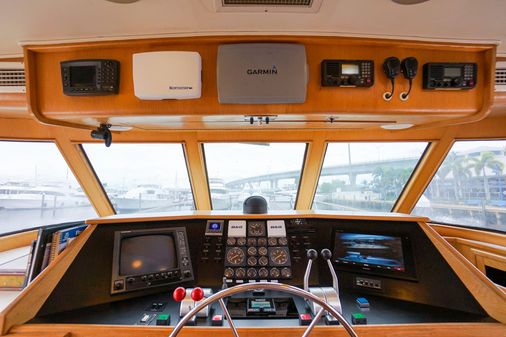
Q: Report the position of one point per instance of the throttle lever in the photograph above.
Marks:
(311, 255)
(327, 256)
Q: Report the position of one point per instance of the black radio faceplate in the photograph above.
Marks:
(90, 77)
(449, 76)
(347, 73)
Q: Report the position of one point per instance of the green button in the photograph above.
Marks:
(163, 317)
(358, 315)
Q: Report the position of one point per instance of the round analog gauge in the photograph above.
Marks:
(263, 261)
(231, 241)
(252, 242)
(256, 228)
(279, 256)
(286, 273)
(252, 251)
(273, 241)
(283, 241)
(262, 251)
(252, 261)
(229, 273)
(252, 273)
(262, 241)
(275, 273)
(240, 273)
(235, 256)
(241, 241)
(263, 273)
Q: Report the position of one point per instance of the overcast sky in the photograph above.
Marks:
(129, 165)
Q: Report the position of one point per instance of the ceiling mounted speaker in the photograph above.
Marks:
(409, 2)
(290, 6)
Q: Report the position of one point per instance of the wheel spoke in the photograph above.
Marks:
(229, 318)
(313, 323)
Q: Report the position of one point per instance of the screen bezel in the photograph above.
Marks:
(120, 235)
(409, 272)
(83, 63)
(174, 239)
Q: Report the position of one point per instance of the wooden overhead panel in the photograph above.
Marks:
(343, 106)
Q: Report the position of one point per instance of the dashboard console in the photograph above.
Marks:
(133, 267)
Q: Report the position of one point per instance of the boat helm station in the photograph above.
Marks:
(319, 167)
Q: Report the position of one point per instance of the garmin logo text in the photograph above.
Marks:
(172, 87)
(260, 71)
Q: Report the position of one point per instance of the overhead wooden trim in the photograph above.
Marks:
(488, 295)
(31, 299)
(425, 107)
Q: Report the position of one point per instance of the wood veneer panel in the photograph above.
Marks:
(412, 330)
(46, 98)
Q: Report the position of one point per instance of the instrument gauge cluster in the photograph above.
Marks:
(257, 250)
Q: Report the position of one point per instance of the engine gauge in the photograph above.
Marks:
(252, 261)
(263, 261)
(231, 241)
(262, 251)
(252, 251)
(275, 273)
(283, 241)
(252, 273)
(252, 241)
(286, 272)
(228, 273)
(278, 256)
(262, 241)
(273, 242)
(240, 273)
(241, 241)
(235, 256)
(263, 273)
(256, 228)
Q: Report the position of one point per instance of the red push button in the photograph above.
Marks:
(304, 319)
(217, 320)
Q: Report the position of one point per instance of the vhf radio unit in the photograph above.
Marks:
(347, 73)
(449, 76)
(90, 77)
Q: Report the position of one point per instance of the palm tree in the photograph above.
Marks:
(486, 160)
(458, 166)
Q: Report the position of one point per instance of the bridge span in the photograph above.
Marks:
(352, 171)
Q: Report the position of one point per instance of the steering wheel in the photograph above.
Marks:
(218, 297)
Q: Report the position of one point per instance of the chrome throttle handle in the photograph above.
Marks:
(311, 255)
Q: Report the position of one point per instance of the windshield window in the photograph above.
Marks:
(37, 187)
(469, 188)
(143, 177)
(365, 176)
(237, 171)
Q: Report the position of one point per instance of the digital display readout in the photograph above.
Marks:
(452, 72)
(349, 69)
(82, 76)
(215, 226)
(370, 251)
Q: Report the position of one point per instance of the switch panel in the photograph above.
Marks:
(368, 283)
